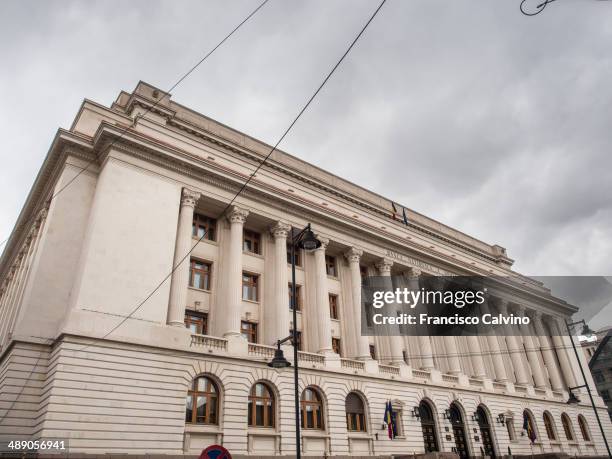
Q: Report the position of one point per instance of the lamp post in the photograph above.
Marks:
(304, 239)
(572, 397)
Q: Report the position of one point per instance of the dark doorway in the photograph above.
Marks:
(485, 432)
(459, 431)
(428, 425)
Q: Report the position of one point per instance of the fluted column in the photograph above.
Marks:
(276, 312)
(180, 276)
(322, 300)
(233, 270)
(549, 357)
(532, 354)
(563, 348)
(362, 348)
(516, 351)
(496, 355)
(396, 343)
(425, 346)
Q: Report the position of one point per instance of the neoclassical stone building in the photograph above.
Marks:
(83, 356)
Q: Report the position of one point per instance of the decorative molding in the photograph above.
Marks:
(237, 215)
(189, 197)
(384, 266)
(280, 230)
(353, 255)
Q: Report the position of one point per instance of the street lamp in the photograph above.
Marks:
(572, 398)
(304, 239)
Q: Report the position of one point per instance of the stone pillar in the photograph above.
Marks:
(362, 350)
(322, 301)
(233, 272)
(547, 352)
(395, 341)
(476, 358)
(563, 349)
(517, 355)
(496, 355)
(532, 353)
(276, 312)
(425, 346)
(180, 277)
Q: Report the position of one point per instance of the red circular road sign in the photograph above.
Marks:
(215, 452)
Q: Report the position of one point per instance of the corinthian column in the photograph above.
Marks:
(425, 346)
(549, 357)
(362, 348)
(563, 348)
(496, 355)
(276, 312)
(516, 352)
(396, 343)
(233, 272)
(532, 353)
(322, 300)
(180, 276)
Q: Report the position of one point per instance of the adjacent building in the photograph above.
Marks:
(102, 343)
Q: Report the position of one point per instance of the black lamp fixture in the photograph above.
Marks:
(501, 419)
(309, 241)
(475, 416)
(279, 360)
(416, 412)
(572, 399)
(447, 414)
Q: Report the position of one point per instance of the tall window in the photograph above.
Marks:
(311, 410)
(333, 306)
(298, 256)
(197, 322)
(510, 429)
(584, 428)
(373, 351)
(261, 406)
(298, 336)
(251, 242)
(249, 331)
(363, 270)
(548, 423)
(336, 346)
(330, 266)
(355, 413)
(298, 302)
(428, 427)
(249, 286)
(202, 402)
(199, 274)
(204, 227)
(567, 427)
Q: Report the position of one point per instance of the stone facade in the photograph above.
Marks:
(89, 356)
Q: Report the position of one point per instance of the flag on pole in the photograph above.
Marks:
(528, 427)
(404, 215)
(394, 210)
(389, 420)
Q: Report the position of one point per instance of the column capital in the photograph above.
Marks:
(414, 272)
(237, 215)
(280, 230)
(384, 266)
(353, 254)
(324, 241)
(502, 305)
(520, 310)
(189, 197)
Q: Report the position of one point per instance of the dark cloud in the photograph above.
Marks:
(466, 110)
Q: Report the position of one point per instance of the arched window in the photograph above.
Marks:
(428, 426)
(548, 423)
(261, 406)
(355, 413)
(311, 409)
(531, 426)
(485, 431)
(567, 427)
(584, 428)
(202, 402)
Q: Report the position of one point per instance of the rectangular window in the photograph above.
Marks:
(251, 242)
(298, 256)
(249, 286)
(199, 274)
(249, 331)
(605, 394)
(336, 346)
(363, 270)
(299, 339)
(510, 428)
(204, 227)
(373, 351)
(197, 322)
(298, 302)
(330, 265)
(333, 306)
(598, 376)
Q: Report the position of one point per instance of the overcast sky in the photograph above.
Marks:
(465, 110)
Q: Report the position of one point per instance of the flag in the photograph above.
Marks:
(527, 426)
(404, 215)
(390, 421)
(394, 210)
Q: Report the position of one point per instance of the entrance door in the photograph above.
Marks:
(428, 426)
(459, 431)
(485, 432)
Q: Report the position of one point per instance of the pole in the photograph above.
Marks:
(298, 446)
(586, 384)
